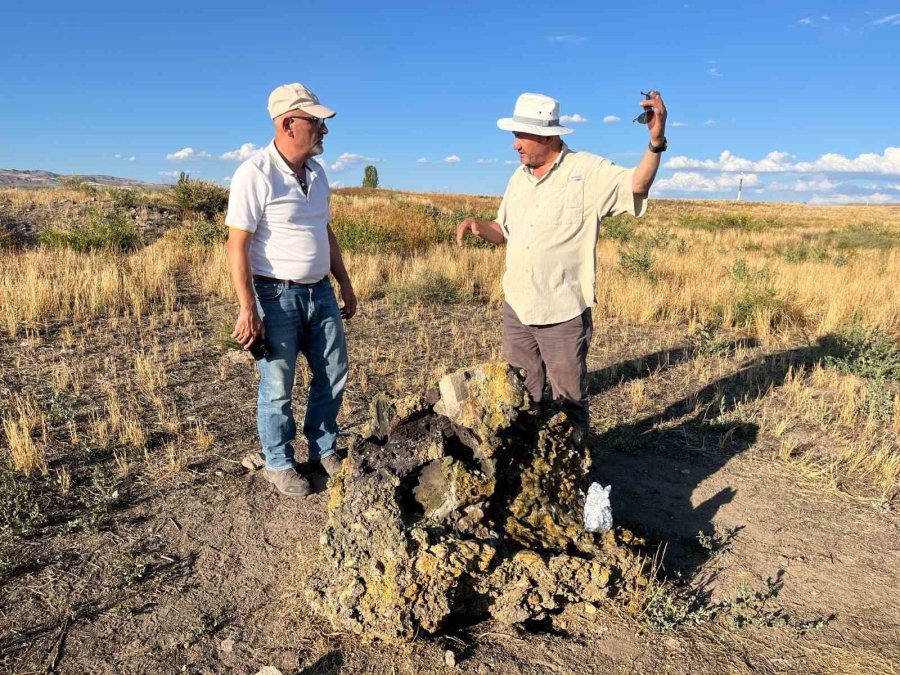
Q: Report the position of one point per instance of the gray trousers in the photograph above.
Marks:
(557, 352)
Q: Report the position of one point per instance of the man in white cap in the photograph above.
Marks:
(549, 220)
(280, 252)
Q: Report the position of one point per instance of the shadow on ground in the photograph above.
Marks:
(656, 464)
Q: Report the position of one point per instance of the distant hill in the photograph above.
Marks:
(36, 178)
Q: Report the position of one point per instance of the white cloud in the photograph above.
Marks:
(678, 124)
(890, 19)
(452, 159)
(349, 159)
(875, 198)
(714, 72)
(129, 158)
(805, 21)
(187, 153)
(569, 39)
(227, 179)
(337, 184)
(813, 185)
(887, 163)
(241, 153)
(486, 161)
(422, 160)
(709, 123)
(686, 181)
(611, 119)
(574, 118)
(170, 174)
(511, 161)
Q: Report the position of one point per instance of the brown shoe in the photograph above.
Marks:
(288, 482)
(332, 464)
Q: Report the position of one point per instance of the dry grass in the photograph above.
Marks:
(26, 453)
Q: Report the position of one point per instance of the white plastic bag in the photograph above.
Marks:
(597, 509)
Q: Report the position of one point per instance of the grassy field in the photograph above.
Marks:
(726, 332)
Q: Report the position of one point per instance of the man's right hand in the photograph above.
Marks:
(485, 229)
(248, 327)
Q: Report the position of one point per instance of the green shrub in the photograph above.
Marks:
(797, 254)
(363, 236)
(79, 183)
(199, 197)
(638, 259)
(203, 232)
(869, 353)
(126, 198)
(619, 228)
(20, 509)
(754, 293)
(101, 230)
(725, 221)
(427, 288)
(864, 235)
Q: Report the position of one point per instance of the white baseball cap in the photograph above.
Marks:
(296, 96)
(535, 114)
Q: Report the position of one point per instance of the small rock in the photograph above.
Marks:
(227, 645)
(269, 670)
(450, 658)
(219, 472)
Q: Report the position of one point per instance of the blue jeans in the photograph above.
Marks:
(299, 320)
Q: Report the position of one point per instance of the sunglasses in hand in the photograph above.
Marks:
(644, 117)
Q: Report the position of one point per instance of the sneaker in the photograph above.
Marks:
(288, 482)
(332, 464)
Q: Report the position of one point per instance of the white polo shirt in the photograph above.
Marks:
(290, 236)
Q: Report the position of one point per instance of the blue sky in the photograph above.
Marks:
(800, 98)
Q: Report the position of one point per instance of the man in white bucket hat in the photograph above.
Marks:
(549, 220)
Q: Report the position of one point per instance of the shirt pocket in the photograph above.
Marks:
(573, 202)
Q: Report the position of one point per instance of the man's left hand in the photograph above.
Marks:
(656, 113)
(349, 298)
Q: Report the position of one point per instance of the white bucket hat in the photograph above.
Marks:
(535, 114)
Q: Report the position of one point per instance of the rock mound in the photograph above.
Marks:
(461, 508)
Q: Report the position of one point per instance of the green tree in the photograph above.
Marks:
(370, 177)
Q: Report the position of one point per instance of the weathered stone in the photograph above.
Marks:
(473, 512)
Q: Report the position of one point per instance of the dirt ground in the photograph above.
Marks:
(200, 570)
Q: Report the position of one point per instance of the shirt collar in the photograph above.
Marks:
(282, 166)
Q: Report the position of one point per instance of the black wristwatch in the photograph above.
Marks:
(661, 148)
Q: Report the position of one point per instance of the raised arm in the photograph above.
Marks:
(645, 171)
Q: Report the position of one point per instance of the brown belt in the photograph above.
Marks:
(260, 277)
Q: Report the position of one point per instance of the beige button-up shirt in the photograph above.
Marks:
(551, 227)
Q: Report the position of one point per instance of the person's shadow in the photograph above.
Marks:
(655, 464)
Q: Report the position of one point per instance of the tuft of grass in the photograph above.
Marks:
(26, 455)
(426, 288)
(101, 231)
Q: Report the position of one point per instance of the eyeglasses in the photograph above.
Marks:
(318, 122)
(644, 117)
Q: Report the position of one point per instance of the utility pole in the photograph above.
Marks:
(740, 187)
